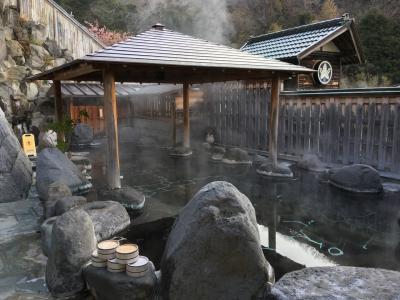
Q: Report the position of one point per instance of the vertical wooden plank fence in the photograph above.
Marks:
(340, 126)
(239, 112)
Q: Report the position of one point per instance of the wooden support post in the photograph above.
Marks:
(111, 122)
(273, 120)
(186, 123)
(58, 106)
(174, 123)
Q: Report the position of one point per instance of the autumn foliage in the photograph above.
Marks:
(108, 37)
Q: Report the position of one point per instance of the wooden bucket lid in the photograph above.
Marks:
(127, 249)
(107, 245)
(142, 261)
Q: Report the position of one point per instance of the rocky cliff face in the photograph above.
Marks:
(15, 167)
(25, 51)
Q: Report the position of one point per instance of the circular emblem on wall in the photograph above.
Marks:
(325, 72)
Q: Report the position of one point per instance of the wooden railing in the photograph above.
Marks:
(341, 126)
(61, 26)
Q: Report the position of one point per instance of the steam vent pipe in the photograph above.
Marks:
(273, 120)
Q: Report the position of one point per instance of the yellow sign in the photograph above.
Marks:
(28, 143)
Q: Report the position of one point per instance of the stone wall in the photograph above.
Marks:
(25, 51)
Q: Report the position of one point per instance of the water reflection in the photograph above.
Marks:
(293, 249)
(306, 212)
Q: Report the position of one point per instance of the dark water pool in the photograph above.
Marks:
(304, 219)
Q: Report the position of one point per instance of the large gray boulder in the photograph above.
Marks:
(214, 250)
(15, 167)
(67, 203)
(357, 178)
(331, 283)
(82, 135)
(109, 218)
(131, 199)
(72, 243)
(104, 285)
(53, 165)
(56, 191)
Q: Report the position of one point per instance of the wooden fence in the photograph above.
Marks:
(159, 107)
(341, 126)
(238, 112)
(61, 26)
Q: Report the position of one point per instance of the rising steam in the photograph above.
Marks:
(207, 19)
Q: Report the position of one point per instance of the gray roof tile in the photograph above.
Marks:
(290, 43)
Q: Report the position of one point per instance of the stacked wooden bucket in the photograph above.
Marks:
(120, 258)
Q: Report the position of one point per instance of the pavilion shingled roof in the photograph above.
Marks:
(160, 49)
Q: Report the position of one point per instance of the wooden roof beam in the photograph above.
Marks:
(75, 72)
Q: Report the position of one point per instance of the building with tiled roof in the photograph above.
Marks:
(324, 46)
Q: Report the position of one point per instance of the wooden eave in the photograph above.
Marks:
(347, 28)
(156, 73)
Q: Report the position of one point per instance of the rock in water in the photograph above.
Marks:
(72, 243)
(111, 286)
(358, 179)
(214, 250)
(279, 170)
(15, 167)
(338, 283)
(217, 153)
(108, 217)
(311, 162)
(82, 135)
(236, 156)
(259, 160)
(131, 199)
(53, 165)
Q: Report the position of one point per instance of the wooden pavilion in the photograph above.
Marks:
(160, 55)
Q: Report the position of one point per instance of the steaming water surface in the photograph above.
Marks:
(311, 222)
